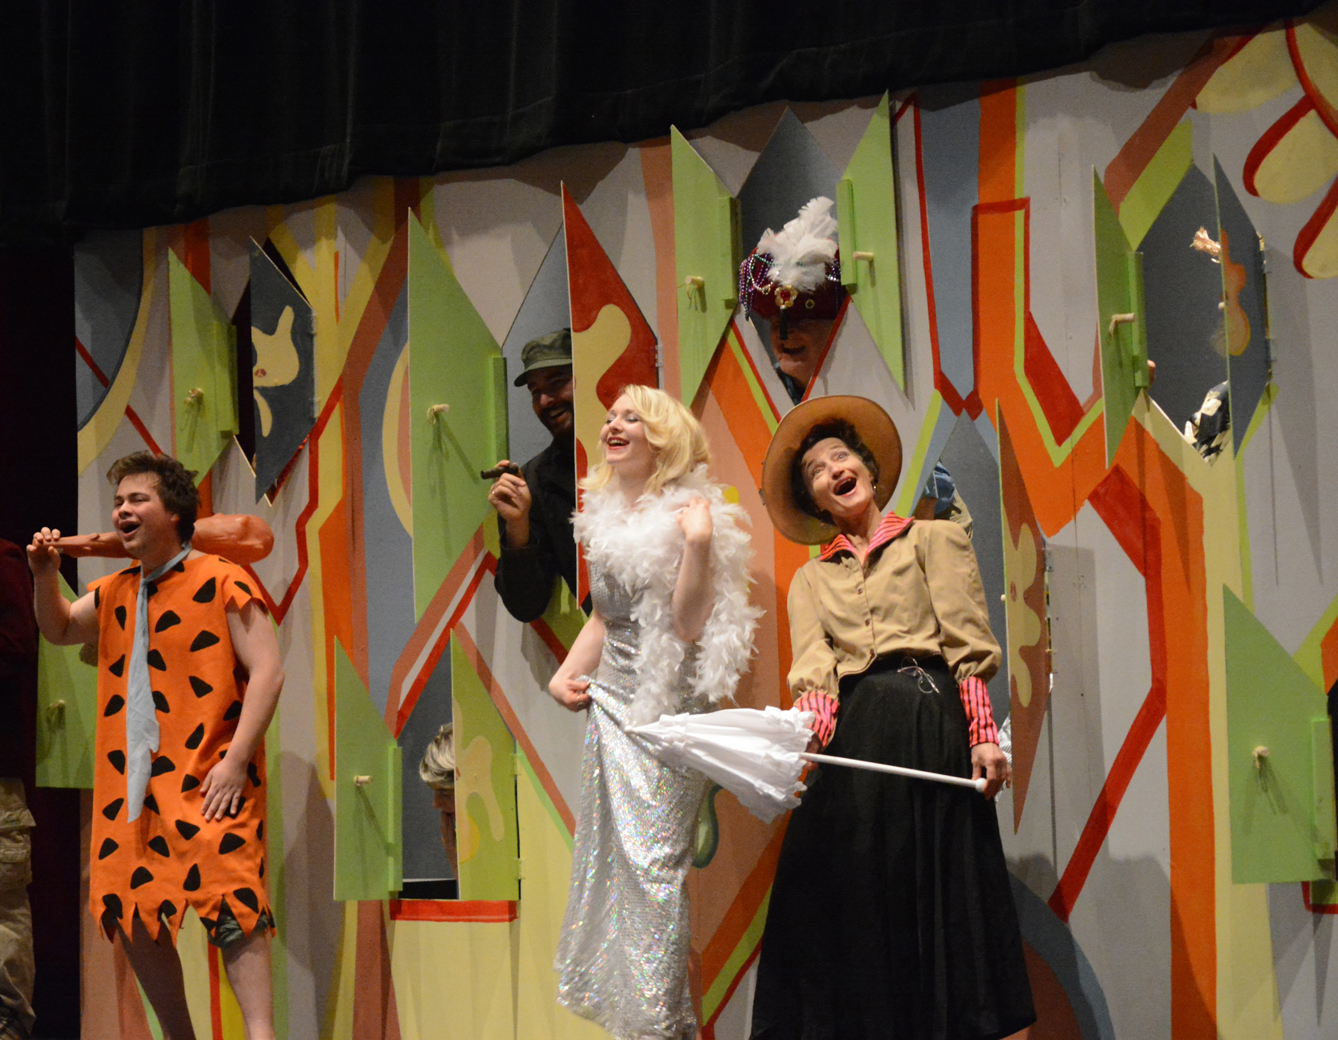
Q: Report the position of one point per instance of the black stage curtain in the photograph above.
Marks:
(142, 112)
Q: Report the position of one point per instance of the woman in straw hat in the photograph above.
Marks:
(671, 632)
(891, 915)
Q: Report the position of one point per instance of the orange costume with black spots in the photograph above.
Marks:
(171, 857)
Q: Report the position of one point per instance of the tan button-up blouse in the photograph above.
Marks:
(917, 592)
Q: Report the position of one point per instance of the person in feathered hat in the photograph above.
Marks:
(792, 281)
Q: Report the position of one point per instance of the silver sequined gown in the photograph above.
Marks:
(623, 955)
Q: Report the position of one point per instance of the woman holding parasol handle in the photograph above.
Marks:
(892, 914)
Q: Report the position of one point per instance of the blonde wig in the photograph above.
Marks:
(437, 769)
(674, 435)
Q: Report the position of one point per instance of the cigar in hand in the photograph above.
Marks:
(497, 471)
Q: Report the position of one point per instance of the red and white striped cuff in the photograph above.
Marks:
(824, 706)
(979, 715)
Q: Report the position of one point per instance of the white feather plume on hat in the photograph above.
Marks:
(802, 249)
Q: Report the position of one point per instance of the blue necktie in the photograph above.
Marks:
(141, 719)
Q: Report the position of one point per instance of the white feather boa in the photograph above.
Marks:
(641, 547)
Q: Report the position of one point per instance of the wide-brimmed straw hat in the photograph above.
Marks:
(874, 427)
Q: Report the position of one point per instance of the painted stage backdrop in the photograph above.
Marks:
(1017, 253)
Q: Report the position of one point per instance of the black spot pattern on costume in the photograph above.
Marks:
(120, 616)
(204, 639)
(117, 667)
(253, 773)
(162, 764)
(179, 566)
(247, 898)
(114, 704)
(108, 847)
(169, 618)
(141, 876)
(112, 903)
(155, 660)
(206, 592)
(230, 843)
(244, 587)
(196, 735)
(149, 803)
(187, 830)
(160, 703)
(200, 686)
(117, 759)
(192, 882)
(188, 783)
(159, 845)
(151, 589)
(241, 804)
(260, 830)
(262, 868)
(113, 807)
(234, 711)
(97, 600)
(167, 909)
(131, 570)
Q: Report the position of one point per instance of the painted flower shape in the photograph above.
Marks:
(1298, 155)
(1024, 627)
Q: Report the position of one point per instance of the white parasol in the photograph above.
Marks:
(756, 755)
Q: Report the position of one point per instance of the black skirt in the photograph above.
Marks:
(891, 915)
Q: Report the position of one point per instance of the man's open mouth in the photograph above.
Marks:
(128, 527)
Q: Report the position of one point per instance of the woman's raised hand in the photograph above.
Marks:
(570, 693)
(695, 520)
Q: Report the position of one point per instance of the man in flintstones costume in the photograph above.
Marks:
(189, 674)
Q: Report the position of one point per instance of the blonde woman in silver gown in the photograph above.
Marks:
(671, 632)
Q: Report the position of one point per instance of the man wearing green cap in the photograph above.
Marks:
(534, 508)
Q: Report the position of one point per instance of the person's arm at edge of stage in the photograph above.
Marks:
(582, 659)
(257, 651)
(61, 622)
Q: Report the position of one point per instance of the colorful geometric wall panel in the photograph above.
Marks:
(866, 201)
(706, 237)
(612, 346)
(368, 803)
(1025, 606)
(204, 371)
(1121, 318)
(457, 414)
(1182, 288)
(485, 788)
(108, 275)
(1245, 310)
(1279, 758)
(283, 374)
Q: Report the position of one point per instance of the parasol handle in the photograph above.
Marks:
(879, 767)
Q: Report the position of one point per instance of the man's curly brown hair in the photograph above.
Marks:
(176, 485)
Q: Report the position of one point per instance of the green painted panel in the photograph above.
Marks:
(1119, 290)
(368, 853)
(1273, 704)
(485, 788)
(706, 237)
(867, 213)
(452, 362)
(67, 707)
(204, 359)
